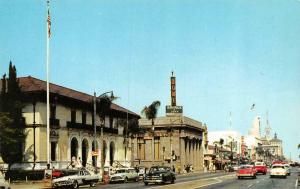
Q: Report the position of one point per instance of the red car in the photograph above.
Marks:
(261, 167)
(246, 171)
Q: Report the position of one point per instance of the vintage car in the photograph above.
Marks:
(76, 179)
(246, 171)
(124, 175)
(3, 183)
(288, 169)
(261, 167)
(278, 170)
(159, 174)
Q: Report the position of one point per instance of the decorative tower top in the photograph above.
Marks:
(173, 90)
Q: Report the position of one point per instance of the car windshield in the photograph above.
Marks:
(157, 169)
(121, 171)
(277, 166)
(245, 167)
(259, 163)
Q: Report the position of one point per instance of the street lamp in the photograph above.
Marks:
(95, 130)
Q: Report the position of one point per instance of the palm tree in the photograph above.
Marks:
(151, 112)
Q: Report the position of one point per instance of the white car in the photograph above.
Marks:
(278, 170)
(3, 183)
(78, 178)
(124, 175)
(288, 169)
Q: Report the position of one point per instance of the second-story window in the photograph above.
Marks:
(83, 118)
(53, 111)
(73, 116)
(111, 121)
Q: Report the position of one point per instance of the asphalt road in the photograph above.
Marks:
(216, 181)
(262, 182)
(180, 179)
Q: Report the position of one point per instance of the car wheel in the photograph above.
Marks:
(92, 184)
(239, 177)
(75, 184)
(254, 177)
(172, 181)
(137, 179)
(125, 179)
(284, 177)
(146, 183)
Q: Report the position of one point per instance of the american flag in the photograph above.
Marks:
(49, 24)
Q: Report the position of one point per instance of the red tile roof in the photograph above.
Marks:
(31, 84)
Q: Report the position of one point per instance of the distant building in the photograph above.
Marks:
(178, 141)
(274, 146)
(256, 128)
(72, 131)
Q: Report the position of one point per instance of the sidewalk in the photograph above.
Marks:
(27, 185)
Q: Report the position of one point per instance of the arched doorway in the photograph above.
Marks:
(94, 148)
(85, 151)
(74, 147)
(111, 153)
(104, 150)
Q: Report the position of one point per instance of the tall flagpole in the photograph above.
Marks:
(47, 70)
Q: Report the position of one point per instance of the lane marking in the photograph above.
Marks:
(249, 185)
(296, 185)
(217, 182)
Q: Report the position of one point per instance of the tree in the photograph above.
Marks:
(259, 151)
(151, 111)
(133, 127)
(11, 121)
(103, 107)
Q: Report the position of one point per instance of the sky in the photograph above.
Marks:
(226, 55)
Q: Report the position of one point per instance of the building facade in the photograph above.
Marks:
(71, 128)
(176, 141)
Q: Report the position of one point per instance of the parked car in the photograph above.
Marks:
(246, 171)
(288, 169)
(278, 170)
(79, 177)
(261, 167)
(159, 174)
(124, 175)
(3, 183)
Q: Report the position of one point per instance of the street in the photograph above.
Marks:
(218, 181)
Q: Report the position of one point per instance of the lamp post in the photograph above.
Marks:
(95, 130)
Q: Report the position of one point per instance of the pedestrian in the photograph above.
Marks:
(173, 168)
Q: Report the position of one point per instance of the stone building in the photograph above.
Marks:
(72, 130)
(176, 141)
(274, 145)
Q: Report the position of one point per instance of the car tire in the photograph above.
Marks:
(239, 177)
(254, 177)
(172, 181)
(137, 179)
(146, 183)
(125, 179)
(92, 184)
(75, 184)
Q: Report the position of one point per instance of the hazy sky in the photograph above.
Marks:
(226, 55)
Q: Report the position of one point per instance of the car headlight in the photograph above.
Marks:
(161, 175)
